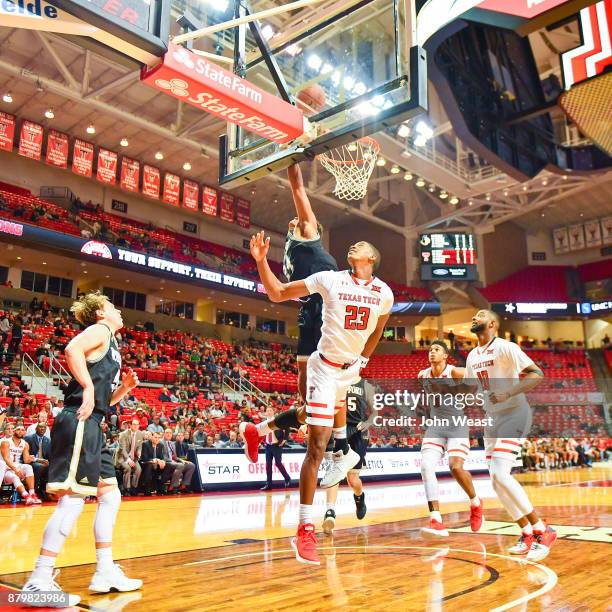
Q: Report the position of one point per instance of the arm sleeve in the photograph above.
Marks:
(518, 357)
(320, 282)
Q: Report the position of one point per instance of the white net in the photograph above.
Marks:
(352, 165)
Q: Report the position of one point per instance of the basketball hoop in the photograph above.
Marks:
(352, 165)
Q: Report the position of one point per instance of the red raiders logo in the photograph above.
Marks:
(595, 53)
(97, 249)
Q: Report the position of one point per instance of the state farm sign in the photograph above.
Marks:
(205, 85)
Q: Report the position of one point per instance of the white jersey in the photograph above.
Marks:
(351, 308)
(15, 450)
(443, 410)
(497, 366)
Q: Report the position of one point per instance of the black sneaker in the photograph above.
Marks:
(329, 522)
(360, 505)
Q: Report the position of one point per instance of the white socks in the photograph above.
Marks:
(104, 559)
(475, 501)
(539, 526)
(436, 516)
(305, 513)
(528, 529)
(43, 568)
(330, 506)
(263, 429)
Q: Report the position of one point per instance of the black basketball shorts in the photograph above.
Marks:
(79, 457)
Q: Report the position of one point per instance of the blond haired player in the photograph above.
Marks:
(356, 306)
(497, 365)
(455, 441)
(80, 464)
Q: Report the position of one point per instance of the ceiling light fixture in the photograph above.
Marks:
(408, 176)
(420, 182)
(187, 166)
(7, 97)
(124, 142)
(395, 169)
(91, 129)
(403, 131)
(159, 155)
(49, 114)
(454, 200)
(381, 161)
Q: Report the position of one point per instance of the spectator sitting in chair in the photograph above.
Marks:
(41, 420)
(155, 426)
(199, 437)
(155, 472)
(40, 449)
(182, 469)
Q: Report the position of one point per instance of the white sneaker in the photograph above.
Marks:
(113, 580)
(32, 500)
(38, 585)
(339, 467)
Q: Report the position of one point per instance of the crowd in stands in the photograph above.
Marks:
(89, 220)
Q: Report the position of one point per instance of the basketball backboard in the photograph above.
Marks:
(358, 55)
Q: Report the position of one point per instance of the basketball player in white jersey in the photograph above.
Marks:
(356, 306)
(15, 460)
(451, 439)
(497, 365)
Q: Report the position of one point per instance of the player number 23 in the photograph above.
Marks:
(356, 317)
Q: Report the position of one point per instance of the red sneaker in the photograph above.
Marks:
(251, 438)
(435, 529)
(305, 545)
(541, 544)
(523, 545)
(476, 517)
(32, 500)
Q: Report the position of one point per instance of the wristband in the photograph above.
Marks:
(363, 362)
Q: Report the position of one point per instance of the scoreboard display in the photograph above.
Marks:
(448, 256)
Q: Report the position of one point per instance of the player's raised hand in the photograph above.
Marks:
(260, 245)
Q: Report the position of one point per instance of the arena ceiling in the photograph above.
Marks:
(85, 87)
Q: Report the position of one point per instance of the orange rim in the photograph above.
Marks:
(353, 162)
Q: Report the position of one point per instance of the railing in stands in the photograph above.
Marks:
(58, 371)
(29, 368)
(242, 385)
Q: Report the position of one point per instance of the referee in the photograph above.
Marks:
(274, 442)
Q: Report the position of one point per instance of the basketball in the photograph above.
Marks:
(311, 99)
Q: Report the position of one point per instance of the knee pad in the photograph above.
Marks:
(108, 507)
(71, 507)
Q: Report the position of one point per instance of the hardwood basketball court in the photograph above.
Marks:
(217, 550)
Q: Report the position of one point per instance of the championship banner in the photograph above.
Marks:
(107, 167)
(150, 181)
(191, 194)
(130, 174)
(57, 149)
(592, 232)
(210, 201)
(243, 213)
(606, 230)
(30, 142)
(82, 158)
(576, 237)
(227, 207)
(561, 240)
(7, 131)
(172, 189)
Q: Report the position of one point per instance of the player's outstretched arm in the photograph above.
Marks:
(277, 291)
(307, 220)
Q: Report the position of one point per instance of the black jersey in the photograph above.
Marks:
(306, 257)
(356, 404)
(303, 258)
(104, 374)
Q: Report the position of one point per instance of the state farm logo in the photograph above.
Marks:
(178, 87)
(97, 249)
(182, 57)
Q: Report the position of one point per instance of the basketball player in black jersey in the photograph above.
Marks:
(304, 255)
(359, 402)
(80, 464)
